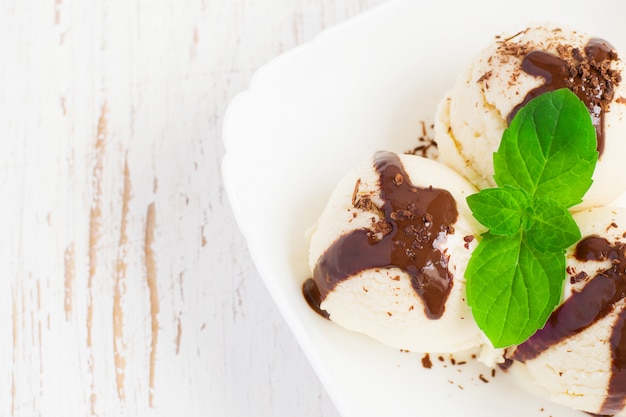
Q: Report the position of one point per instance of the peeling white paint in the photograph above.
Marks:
(125, 286)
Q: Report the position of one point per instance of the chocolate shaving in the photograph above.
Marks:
(581, 276)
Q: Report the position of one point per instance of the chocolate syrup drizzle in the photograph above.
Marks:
(597, 299)
(588, 76)
(418, 219)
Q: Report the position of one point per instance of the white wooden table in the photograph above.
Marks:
(125, 286)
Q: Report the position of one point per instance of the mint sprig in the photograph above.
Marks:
(543, 167)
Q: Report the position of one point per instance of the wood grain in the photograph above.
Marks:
(125, 285)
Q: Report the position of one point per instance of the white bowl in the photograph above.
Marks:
(314, 112)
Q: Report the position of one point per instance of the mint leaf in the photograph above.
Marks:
(553, 229)
(543, 166)
(514, 287)
(499, 209)
(549, 150)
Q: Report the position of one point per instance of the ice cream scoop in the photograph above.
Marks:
(579, 358)
(389, 252)
(471, 118)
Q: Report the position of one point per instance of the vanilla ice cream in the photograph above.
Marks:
(471, 118)
(389, 252)
(578, 357)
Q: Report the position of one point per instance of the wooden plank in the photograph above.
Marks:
(125, 286)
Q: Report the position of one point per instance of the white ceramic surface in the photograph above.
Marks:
(314, 112)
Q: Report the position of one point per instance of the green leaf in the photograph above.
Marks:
(549, 150)
(553, 229)
(543, 166)
(499, 209)
(512, 287)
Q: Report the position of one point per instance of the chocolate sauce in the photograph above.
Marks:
(417, 219)
(588, 76)
(313, 298)
(426, 362)
(597, 299)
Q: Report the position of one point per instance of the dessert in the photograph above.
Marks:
(512, 70)
(389, 252)
(578, 357)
